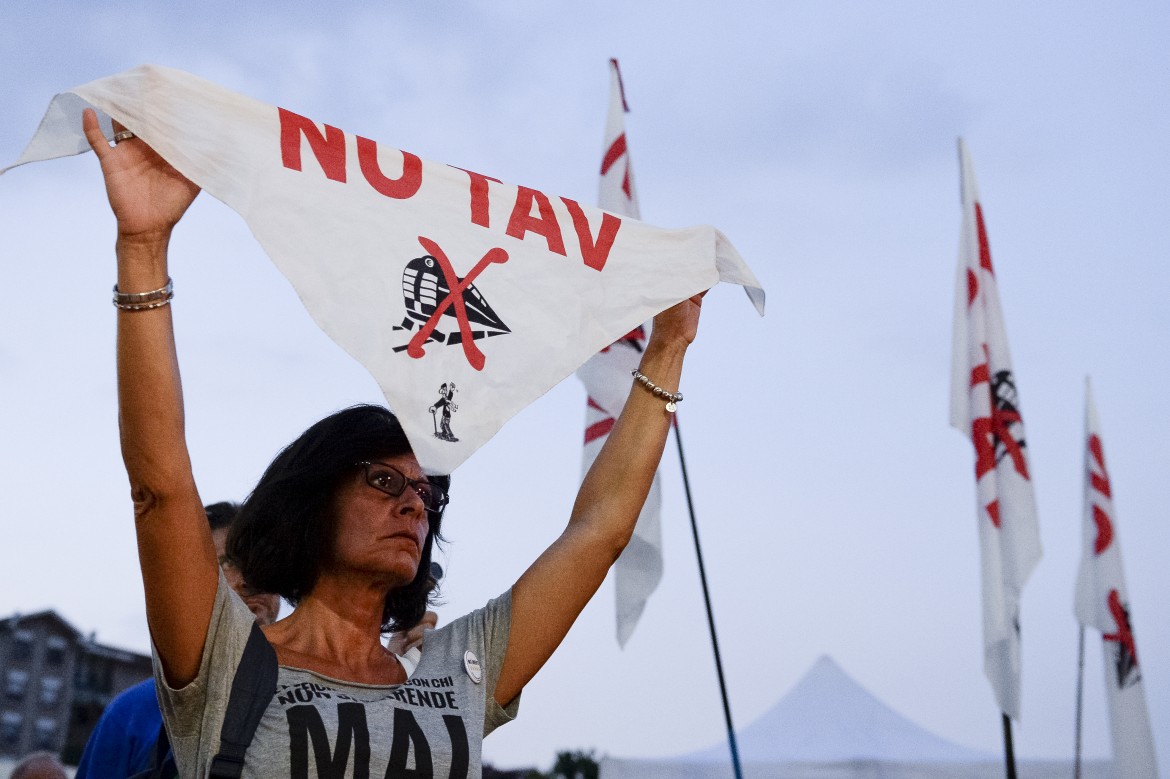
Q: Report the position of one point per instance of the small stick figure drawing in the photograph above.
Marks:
(446, 403)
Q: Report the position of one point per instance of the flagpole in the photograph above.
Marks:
(1009, 755)
(1080, 704)
(707, 601)
(1081, 631)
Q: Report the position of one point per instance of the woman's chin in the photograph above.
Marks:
(399, 570)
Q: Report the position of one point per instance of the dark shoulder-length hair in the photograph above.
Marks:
(285, 531)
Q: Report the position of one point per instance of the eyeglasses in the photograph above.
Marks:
(393, 482)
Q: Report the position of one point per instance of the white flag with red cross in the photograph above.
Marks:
(1103, 604)
(607, 380)
(985, 406)
(465, 297)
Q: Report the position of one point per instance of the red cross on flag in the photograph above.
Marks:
(1102, 604)
(985, 406)
(465, 297)
(606, 376)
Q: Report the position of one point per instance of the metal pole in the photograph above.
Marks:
(1008, 754)
(1080, 704)
(710, 615)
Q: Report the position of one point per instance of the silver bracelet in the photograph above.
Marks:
(672, 398)
(145, 297)
(144, 301)
(144, 306)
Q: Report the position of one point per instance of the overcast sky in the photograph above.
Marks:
(835, 504)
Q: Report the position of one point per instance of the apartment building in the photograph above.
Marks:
(55, 683)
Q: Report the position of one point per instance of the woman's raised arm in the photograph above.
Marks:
(179, 569)
(552, 592)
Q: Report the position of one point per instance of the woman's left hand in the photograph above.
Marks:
(552, 592)
(680, 322)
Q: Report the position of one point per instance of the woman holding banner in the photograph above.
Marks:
(342, 525)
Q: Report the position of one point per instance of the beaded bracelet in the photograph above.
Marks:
(672, 398)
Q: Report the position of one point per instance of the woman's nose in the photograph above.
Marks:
(410, 500)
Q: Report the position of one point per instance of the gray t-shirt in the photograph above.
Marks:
(431, 727)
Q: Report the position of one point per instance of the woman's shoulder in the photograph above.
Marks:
(483, 633)
(482, 620)
(227, 634)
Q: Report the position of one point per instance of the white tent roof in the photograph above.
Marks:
(828, 716)
(829, 726)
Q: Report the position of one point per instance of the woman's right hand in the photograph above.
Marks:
(147, 194)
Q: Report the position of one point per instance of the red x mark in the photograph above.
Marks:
(1124, 634)
(986, 431)
(1100, 481)
(615, 152)
(454, 298)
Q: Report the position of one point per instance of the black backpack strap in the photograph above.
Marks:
(252, 690)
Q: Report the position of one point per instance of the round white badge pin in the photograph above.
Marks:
(471, 664)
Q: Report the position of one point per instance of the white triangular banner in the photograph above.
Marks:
(427, 274)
